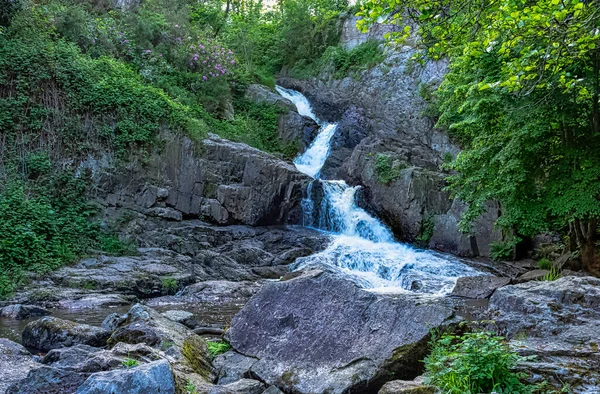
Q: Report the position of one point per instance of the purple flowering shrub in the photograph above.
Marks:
(210, 58)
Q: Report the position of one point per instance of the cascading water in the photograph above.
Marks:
(363, 248)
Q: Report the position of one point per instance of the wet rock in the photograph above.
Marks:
(48, 380)
(95, 301)
(272, 390)
(407, 387)
(262, 94)
(51, 333)
(478, 286)
(557, 322)
(232, 366)
(20, 311)
(209, 331)
(16, 363)
(155, 377)
(364, 338)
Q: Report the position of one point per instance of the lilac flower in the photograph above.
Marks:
(233, 62)
(204, 77)
(148, 51)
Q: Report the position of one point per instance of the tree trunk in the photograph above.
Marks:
(585, 232)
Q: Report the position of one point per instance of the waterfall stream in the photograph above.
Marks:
(363, 248)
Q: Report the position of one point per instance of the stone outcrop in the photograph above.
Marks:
(320, 333)
(416, 386)
(51, 333)
(558, 323)
(20, 311)
(217, 180)
(478, 286)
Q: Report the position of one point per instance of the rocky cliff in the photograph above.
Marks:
(385, 143)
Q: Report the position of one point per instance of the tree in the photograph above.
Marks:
(522, 97)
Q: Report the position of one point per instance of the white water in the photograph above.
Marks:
(363, 248)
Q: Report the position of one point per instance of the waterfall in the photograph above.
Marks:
(363, 248)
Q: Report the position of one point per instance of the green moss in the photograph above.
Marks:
(386, 169)
(218, 347)
(195, 352)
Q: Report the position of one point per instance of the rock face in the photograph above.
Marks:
(319, 333)
(407, 387)
(51, 333)
(155, 377)
(380, 116)
(19, 311)
(220, 181)
(558, 323)
(351, 37)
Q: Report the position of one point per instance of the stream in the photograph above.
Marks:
(363, 248)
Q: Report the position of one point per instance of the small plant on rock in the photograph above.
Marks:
(477, 362)
(169, 285)
(552, 275)
(218, 347)
(130, 363)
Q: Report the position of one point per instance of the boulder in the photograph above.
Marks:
(183, 317)
(416, 386)
(51, 333)
(532, 275)
(242, 386)
(49, 380)
(232, 366)
(557, 322)
(155, 377)
(318, 333)
(478, 286)
(20, 311)
(16, 363)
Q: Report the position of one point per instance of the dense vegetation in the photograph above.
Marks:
(522, 98)
(79, 78)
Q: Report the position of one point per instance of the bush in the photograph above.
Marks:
(544, 264)
(473, 363)
(502, 250)
(387, 171)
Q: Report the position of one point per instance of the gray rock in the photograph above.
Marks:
(16, 363)
(532, 275)
(364, 338)
(112, 321)
(20, 311)
(351, 37)
(48, 380)
(186, 351)
(232, 366)
(272, 390)
(416, 386)
(179, 316)
(557, 322)
(478, 286)
(155, 377)
(242, 386)
(51, 333)
(262, 94)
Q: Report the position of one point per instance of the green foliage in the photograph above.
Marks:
(169, 285)
(473, 363)
(130, 363)
(218, 347)
(190, 388)
(426, 232)
(502, 250)
(544, 264)
(386, 169)
(552, 275)
(522, 97)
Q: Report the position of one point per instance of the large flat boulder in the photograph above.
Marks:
(558, 323)
(16, 363)
(319, 333)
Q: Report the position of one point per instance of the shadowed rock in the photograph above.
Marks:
(51, 333)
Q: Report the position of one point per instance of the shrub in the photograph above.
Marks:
(169, 285)
(544, 264)
(426, 231)
(387, 171)
(478, 362)
(552, 275)
(218, 347)
(502, 250)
